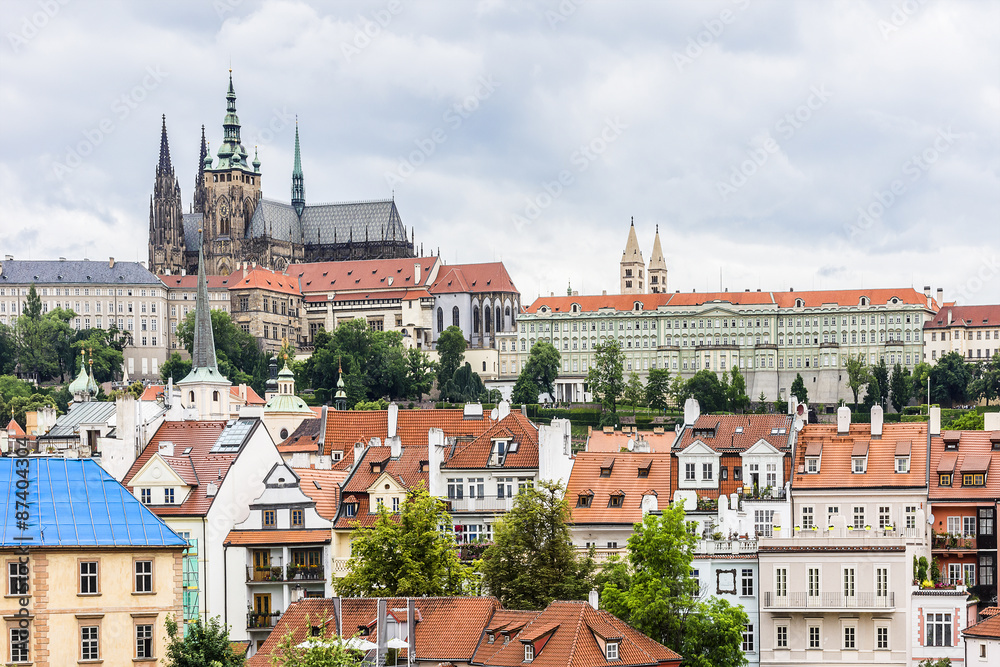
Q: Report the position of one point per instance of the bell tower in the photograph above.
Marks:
(657, 275)
(166, 225)
(633, 279)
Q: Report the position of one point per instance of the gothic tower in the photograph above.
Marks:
(166, 225)
(298, 184)
(632, 266)
(657, 267)
(200, 194)
(232, 191)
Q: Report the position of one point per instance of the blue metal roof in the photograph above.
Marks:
(23, 272)
(75, 502)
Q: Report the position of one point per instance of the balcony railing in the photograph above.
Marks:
(258, 621)
(802, 600)
(340, 566)
(735, 547)
(486, 504)
(280, 574)
(953, 543)
(602, 555)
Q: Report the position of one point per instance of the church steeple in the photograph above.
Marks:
(166, 226)
(298, 185)
(632, 266)
(231, 152)
(657, 267)
(204, 162)
(164, 168)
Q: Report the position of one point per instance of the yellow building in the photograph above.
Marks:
(90, 573)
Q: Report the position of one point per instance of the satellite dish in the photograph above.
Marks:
(797, 425)
(494, 414)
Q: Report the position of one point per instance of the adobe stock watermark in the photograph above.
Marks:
(32, 24)
(714, 28)
(913, 168)
(373, 27)
(901, 14)
(453, 118)
(580, 159)
(280, 119)
(986, 272)
(764, 146)
(224, 7)
(562, 13)
(121, 108)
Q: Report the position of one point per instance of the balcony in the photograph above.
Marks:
(728, 547)
(262, 621)
(953, 544)
(341, 566)
(481, 504)
(601, 556)
(279, 574)
(830, 601)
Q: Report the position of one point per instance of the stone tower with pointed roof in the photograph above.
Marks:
(166, 225)
(657, 274)
(633, 267)
(204, 390)
(298, 183)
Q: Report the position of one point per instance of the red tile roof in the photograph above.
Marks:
(835, 463)
(209, 467)
(588, 304)
(14, 429)
(505, 623)
(323, 486)
(852, 297)
(586, 478)
(990, 628)
(599, 441)
(574, 629)
(265, 279)
(305, 438)
(975, 450)
(151, 392)
(488, 277)
(965, 316)
(475, 454)
(363, 275)
(262, 537)
(405, 471)
(738, 432)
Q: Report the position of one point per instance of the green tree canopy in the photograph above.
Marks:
(320, 651)
(606, 378)
(985, 384)
(653, 590)
(8, 350)
(525, 390)
(451, 353)
(238, 354)
(901, 385)
(857, 375)
(635, 392)
(532, 560)
(18, 397)
(465, 386)
(542, 367)
(203, 645)
(706, 387)
(406, 555)
(658, 388)
(736, 393)
(799, 390)
(950, 380)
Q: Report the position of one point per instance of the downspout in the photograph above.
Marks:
(225, 585)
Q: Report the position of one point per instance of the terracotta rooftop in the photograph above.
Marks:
(738, 432)
(14, 429)
(989, 628)
(151, 392)
(965, 316)
(305, 438)
(405, 471)
(974, 453)
(207, 466)
(599, 441)
(505, 624)
(586, 479)
(269, 536)
(265, 279)
(362, 275)
(475, 454)
(323, 486)
(488, 277)
(836, 470)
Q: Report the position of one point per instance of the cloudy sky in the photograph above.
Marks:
(776, 144)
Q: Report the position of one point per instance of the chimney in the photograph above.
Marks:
(395, 446)
(503, 409)
(877, 421)
(991, 421)
(393, 419)
(843, 420)
(935, 420)
(416, 273)
(604, 292)
(949, 317)
(380, 632)
(692, 410)
(411, 627)
(62, 259)
(359, 451)
(166, 448)
(211, 489)
(594, 599)
(940, 297)
(111, 262)
(8, 258)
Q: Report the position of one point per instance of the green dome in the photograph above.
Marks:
(287, 403)
(81, 384)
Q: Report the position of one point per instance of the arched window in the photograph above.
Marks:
(487, 312)
(454, 316)
(191, 397)
(498, 320)
(440, 319)
(475, 319)
(215, 396)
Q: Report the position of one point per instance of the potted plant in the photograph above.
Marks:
(829, 527)
(815, 528)
(293, 571)
(868, 527)
(275, 573)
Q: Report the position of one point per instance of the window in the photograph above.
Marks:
(689, 472)
(16, 585)
(813, 580)
(858, 463)
(298, 518)
(911, 516)
(944, 479)
(90, 643)
(529, 652)
(747, 583)
(969, 574)
(455, 489)
(584, 500)
(883, 517)
(986, 570)
(395, 504)
(850, 636)
(748, 638)
(270, 519)
(859, 517)
(814, 636)
(986, 521)
(18, 646)
(611, 651)
(975, 479)
(143, 576)
(937, 630)
(781, 636)
(781, 582)
(144, 641)
(168, 496)
(146, 496)
(968, 526)
(882, 637)
(89, 582)
(849, 590)
(812, 464)
(902, 464)
(763, 521)
(807, 518)
(616, 500)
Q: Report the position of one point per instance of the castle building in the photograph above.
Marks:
(632, 267)
(241, 226)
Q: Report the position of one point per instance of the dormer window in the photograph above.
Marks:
(529, 652)
(812, 464)
(644, 468)
(376, 467)
(499, 453)
(489, 638)
(607, 466)
(902, 464)
(859, 464)
(584, 499)
(168, 496)
(617, 499)
(974, 479)
(944, 479)
(350, 509)
(270, 519)
(951, 439)
(611, 651)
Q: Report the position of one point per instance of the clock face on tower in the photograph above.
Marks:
(224, 208)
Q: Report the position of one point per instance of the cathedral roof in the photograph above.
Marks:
(656, 260)
(192, 223)
(328, 223)
(632, 252)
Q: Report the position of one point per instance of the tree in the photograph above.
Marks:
(203, 645)
(35, 355)
(706, 388)
(420, 372)
(737, 392)
(678, 390)
(761, 404)
(606, 377)
(985, 384)
(658, 388)
(238, 353)
(653, 590)
(542, 367)
(406, 556)
(921, 372)
(799, 390)
(320, 651)
(942, 662)
(901, 385)
(950, 380)
(451, 353)
(18, 397)
(175, 367)
(878, 386)
(857, 375)
(532, 560)
(107, 358)
(465, 386)
(634, 391)
(8, 349)
(970, 421)
(525, 390)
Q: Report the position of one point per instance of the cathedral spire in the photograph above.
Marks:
(203, 362)
(298, 184)
(202, 154)
(164, 167)
(231, 152)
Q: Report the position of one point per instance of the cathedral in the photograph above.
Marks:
(631, 268)
(241, 226)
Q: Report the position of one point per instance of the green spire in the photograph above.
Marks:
(256, 160)
(298, 185)
(231, 152)
(203, 362)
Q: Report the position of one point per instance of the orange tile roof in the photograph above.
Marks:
(362, 275)
(208, 467)
(190, 281)
(405, 470)
(253, 398)
(965, 316)
(269, 536)
(515, 427)
(738, 432)
(588, 304)
(975, 450)
(488, 277)
(835, 463)
(323, 486)
(852, 297)
(150, 392)
(266, 279)
(586, 477)
(599, 441)
(505, 623)
(14, 429)
(989, 628)
(573, 628)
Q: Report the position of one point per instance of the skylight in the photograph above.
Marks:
(232, 437)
